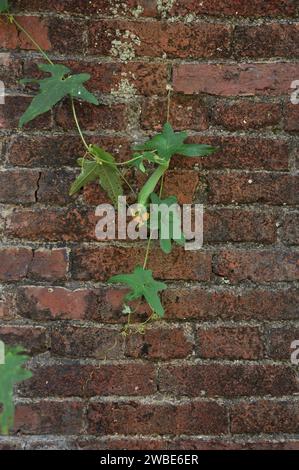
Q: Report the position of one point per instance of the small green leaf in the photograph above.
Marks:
(4, 6)
(140, 159)
(171, 143)
(11, 373)
(142, 284)
(166, 224)
(109, 177)
(55, 88)
(90, 171)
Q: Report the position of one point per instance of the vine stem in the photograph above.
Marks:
(12, 19)
(168, 103)
(78, 125)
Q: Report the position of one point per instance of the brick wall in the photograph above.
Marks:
(216, 374)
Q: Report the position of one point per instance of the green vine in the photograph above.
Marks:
(99, 165)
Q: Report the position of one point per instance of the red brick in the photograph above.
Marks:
(18, 186)
(290, 229)
(138, 418)
(186, 112)
(198, 303)
(10, 70)
(159, 343)
(254, 8)
(101, 263)
(66, 35)
(227, 381)
(54, 186)
(51, 303)
(7, 311)
(99, 343)
(52, 224)
(265, 417)
(32, 339)
(57, 151)
(87, 381)
(235, 80)
(173, 39)
(244, 115)
(181, 183)
(262, 188)
(230, 343)
(92, 117)
(14, 108)
(267, 40)
(291, 118)
(49, 417)
(240, 153)
(237, 225)
(257, 265)
(96, 7)
(11, 38)
(280, 340)
(49, 264)
(14, 263)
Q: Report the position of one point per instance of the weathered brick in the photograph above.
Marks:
(262, 188)
(52, 224)
(182, 183)
(32, 339)
(230, 343)
(14, 263)
(254, 8)
(51, 303)
(198, 303)
(92, 117)
(229, 381)
(186, 112)
(267, 40)
(100, 343)
(243, 115)
(257, 265)
(49, 417)
(290, 229)
(237, 225)
(54, 186)
(265, 417)
(235, 80)
(159, 343)
(87, 381)
(139, 418)
(240, 153)
(18, 186)
(11, 38)
(101, 263)
(129, 39)
(97, 7)
(291, 118)
(49, 264)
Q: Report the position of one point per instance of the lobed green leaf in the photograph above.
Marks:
(142, 285)
(54, 88)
